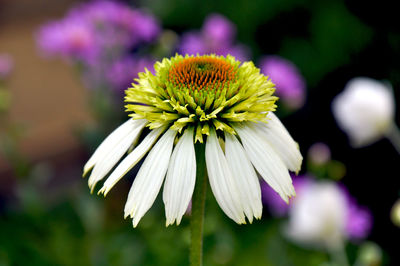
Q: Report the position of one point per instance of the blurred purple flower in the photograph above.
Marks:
(71, 39)
(359, 219)
(290, 84)
(219, 30)
(100, 36)
(145, 26)
(6, 65)
(97, 29)
(192, 43)
(216, 36)
(123, 71)
(274, 202)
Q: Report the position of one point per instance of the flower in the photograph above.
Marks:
(120, 73)
(323, 213)
(72, 38)
(364, 110)
(274, 202)
(290, 84)
(97, 29)
(100, 37)
(216, 36)
(206, 100)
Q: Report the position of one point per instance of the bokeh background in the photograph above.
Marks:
(57, 103)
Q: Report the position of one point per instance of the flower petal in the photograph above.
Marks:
(148, 181)
(284, 145)
(131, 160)
(221, 180)
(245, 177)
(110, 142)
(114, 154)
(181, 179)
(265, 160)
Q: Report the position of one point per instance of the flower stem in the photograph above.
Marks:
(198, 204)
(393, 135)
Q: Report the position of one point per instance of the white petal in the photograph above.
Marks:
(111, 140)
(131, 160)
(284, 145)
(221, 180)
(245, 177)
(181, 178)
(148, 181)
(108, 161)
(265, 160)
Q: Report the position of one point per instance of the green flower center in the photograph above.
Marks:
(201, 92)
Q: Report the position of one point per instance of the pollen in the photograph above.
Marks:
(207, 74)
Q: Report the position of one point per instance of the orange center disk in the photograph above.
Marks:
(202, 73)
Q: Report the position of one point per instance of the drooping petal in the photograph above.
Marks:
(181, 179)
(245, 177)
(131, 160)
(221, 180)
(109, 159)
(111, 141)
(148, 181)
(265, 160)
(279, 138)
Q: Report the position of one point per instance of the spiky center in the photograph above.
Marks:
(201, 92)
(202, 74)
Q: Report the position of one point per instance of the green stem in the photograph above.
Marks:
(198, 204)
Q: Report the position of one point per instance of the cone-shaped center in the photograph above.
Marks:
(202, 73)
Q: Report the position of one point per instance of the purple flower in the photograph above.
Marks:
(219, 30)
(100, 36)
(6, 65)
(274, 202)
(193, 43)
(359, 219)
(69, 39)
(145, 26)
(216, 36)
(290, 84)
(97, 29)
(123, 71)
(132, 24)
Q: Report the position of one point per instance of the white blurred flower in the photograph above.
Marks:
(318, 216)
(364, 110)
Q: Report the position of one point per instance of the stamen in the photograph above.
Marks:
(202, 74)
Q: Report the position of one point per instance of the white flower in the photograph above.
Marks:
(318, 215)
(364, 110)
(231, 104)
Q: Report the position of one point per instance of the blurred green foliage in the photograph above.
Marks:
(77, 228)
